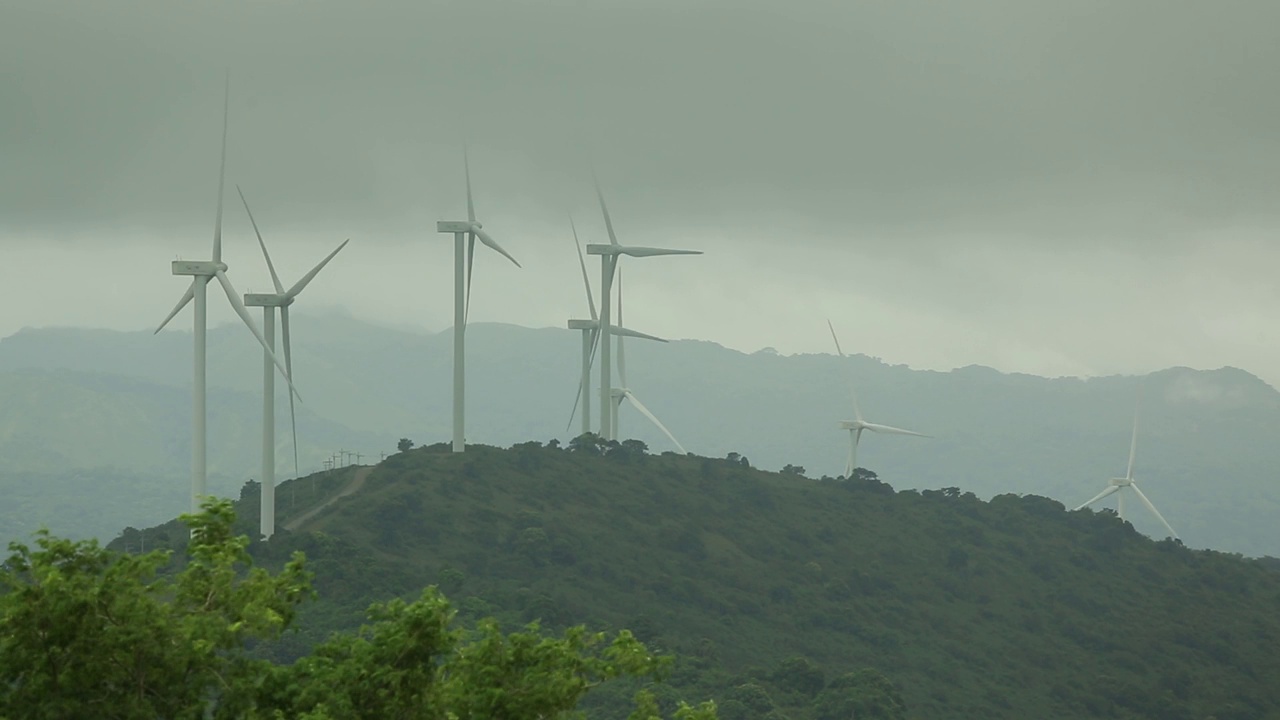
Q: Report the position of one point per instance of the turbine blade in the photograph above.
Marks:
(635, 402)
(288, 366)
(222, 169)
(582, 262)
(873, 427)
(298, 286)
(853, 395)
(619, 330)
(608, 223)
(833, 337)
(1143, 497)
(1133, 444)
(1110, 489)
(243, 312)
(187, 297)
(576, 399)
(484, 238)
(275, 279)
(595, 343)
(471, 256)
(638, 251)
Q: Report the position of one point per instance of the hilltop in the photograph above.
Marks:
(1012, 608)
(1206, 454)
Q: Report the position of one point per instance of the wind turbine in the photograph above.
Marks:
(202, 271)
(619, 394)
(858, 424)
(282, 299)
(590, 334)
(608, 262)
(1117, 485)
(471, 230)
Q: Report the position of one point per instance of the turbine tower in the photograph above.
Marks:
(858, 424)
(201, 272)
(619, 394)
(282, 299)
(590, 334)
(471, 230)
(608, 262)
(1117, 485)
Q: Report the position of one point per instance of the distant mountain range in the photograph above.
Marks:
(104, 404)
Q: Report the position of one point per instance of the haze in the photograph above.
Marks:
(1046, 187)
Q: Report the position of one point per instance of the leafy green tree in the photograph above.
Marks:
(405, 445)
(799, 675)
(88, 632)
(862, 694)
(588, 443)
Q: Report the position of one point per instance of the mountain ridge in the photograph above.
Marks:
(994, 432)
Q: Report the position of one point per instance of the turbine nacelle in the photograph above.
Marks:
(456, 226)
(199, 268)
(267, 300)
(1121, 482)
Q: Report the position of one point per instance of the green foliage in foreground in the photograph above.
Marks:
(86, 632)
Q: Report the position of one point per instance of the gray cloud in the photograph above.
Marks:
(1045, 186)
(1007, 116)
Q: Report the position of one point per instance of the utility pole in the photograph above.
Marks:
(359, 456)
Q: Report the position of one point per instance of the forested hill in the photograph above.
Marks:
(1012, 608)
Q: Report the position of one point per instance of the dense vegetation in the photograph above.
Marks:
(780, 593)
(87, 633)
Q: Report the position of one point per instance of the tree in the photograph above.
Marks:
(793, 470)
(405, 445)
(588, 443)
(862, 694)
(87, 632)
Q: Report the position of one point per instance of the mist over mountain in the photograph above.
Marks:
(1204, 456)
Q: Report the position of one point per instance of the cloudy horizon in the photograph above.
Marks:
(1084, 188)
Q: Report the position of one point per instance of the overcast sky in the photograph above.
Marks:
(1041, 186)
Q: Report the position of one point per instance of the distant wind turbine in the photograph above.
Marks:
(282, 299)
(608, 263)
(471, 230)
(858, 424)
(202, 271)
(1117, 485)
(619, 394)
(590, 334)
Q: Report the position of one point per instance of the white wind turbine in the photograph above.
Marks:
(282, 299)
(1117, 485)
(619, 394)
(590, 334)
(858, 424)
(608, 262)
(471, 230)
(202, 271)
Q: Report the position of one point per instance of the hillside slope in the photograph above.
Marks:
(1013, 608)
